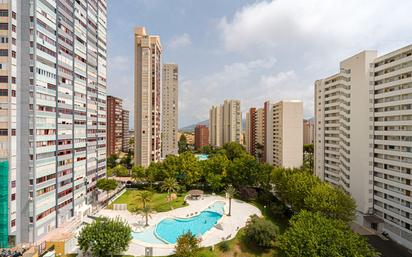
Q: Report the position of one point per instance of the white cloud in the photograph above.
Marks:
(180, 41)
(308, 38)
(252, 82)
(316, 25)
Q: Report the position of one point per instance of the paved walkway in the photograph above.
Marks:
(241, 211)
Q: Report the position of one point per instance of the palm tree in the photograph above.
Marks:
(170, 185)
(145, 212)
(230, 193)
(145, 197)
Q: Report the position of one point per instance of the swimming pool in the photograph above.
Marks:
(168, 230)
(202, 157)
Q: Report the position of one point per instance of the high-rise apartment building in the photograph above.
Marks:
(170, 92)
(255, 134)
(52, 113)
(125, 131)
(308, 132)
(342, 129)
(284, 137)
(201, 136)
(215, 126)
(147, 95)
(363, 137)
(114, 125)
(225, 123)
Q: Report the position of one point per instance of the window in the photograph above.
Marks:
(4, 79)
(4, 13)
(4, 52)
(3, 132)
(4, 92)
(13, 93)
(4, 26)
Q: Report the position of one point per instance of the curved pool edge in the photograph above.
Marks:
(194, 216)
(167, 244)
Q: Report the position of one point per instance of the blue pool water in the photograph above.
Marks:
(147, 236)
(168, 230)
(202, 157)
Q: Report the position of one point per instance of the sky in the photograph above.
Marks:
(253, 51)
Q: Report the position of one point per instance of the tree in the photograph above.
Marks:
(105, 237)
(127, 160)
(155, 172)
(170, 166)
(170, 185)
(308, 151)
(260, 231)
(106, 184)
(120, 171)
(230, 193)
(293, 186)
(111, 161)
(182, 144)
(331, 201)
(308, 148)
(144, 212)
(190, 170)
(187, 245)
(314, 235)
(234, 150)
(145, 197)
(215, 170)
(139, 173)
(244, 171)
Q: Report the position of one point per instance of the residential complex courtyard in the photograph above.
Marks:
(145, 238)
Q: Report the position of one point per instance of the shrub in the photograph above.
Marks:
(187, 245)
(224, 246)
(261, 232)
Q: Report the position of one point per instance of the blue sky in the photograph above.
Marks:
(250, 50)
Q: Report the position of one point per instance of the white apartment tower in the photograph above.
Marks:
(52, 114)
(215, 126)
(284, 137)
(170, 92)
(363, 137)
(147, 95)
(225, 123)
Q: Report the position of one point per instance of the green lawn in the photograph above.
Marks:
(159, 201)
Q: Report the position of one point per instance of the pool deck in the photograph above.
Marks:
(241, 211)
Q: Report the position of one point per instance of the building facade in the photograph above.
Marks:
(255, 133)
(225, 123)
(284, 137)
(363, 137)
(308, 132)
(125, 131)
(201, 136)
(52, 114)
(216, 126)
(170, 92)
(114, 125)
(147, 95)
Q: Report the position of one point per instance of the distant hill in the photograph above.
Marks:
(191, 128)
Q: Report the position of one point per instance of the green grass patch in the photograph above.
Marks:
(159, 201)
